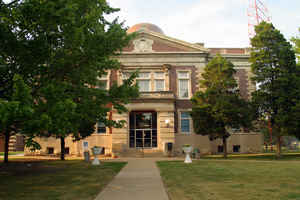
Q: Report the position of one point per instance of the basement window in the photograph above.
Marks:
(50, 150)
(220, 149)
(236, 148)
(67, 150)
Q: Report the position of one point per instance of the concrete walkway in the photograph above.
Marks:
(138, 180)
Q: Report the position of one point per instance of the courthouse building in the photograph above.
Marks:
(169, 74)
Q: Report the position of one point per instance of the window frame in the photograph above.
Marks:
(101, 133)
(107, 129)
(191, 131)
(156, 78)
(105, 78)
(151, 78)
(148, 78)
(188, 78)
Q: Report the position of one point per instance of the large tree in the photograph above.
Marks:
(61, 48)
(296, 108)
(218, 106)
(277, 76)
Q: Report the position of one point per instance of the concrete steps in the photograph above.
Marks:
(141, 153)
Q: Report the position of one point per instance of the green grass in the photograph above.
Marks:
(12, 153)
(262, 156)
(230, 180)
(55, 180)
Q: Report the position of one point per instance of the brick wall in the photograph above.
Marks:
(1, 144)
(243, 83)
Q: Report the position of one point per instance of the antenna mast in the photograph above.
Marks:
(257, 12)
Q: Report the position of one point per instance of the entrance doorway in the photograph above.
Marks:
(143, 130)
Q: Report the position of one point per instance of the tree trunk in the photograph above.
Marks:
(278, 149)
(62, 148)
(7, 136)
(225, 146)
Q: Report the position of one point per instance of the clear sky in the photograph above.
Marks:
(217, 23)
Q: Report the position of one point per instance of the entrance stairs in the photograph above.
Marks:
(142, 153)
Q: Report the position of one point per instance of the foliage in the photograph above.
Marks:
(61, 48)
(218, 107)
(273, 64)
(14, 113)
(296, 41)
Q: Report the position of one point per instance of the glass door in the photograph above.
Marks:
(143, 130)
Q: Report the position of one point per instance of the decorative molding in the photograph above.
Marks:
(143, 45)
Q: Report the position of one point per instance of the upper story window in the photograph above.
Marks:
(159, 81)
(143, 81)
(149, 81)
(183, 84)
(103, 82)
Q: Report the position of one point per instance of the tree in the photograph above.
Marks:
(296, 41)
(218, 107)
(275, 71)
(15, 112)
(65, 46)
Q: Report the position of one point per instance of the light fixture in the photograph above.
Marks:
(167, 121)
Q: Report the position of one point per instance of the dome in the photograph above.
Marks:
(145, 26)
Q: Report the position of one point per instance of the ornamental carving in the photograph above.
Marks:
(143, 45)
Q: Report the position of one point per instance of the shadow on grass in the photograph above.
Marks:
(66, 180)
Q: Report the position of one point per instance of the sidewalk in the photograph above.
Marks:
(139, 179)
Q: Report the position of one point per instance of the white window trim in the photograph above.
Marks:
(148, 78)
(151, 78)
(163, 78)
(179, 123)
(189, 83)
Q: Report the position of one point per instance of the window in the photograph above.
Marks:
(185, 122)
(220, 149)
(148, 81)
(236, 148)
(50, 150)
(183, 84)
(143, 81)
(126, 75)
(101, 128)
(67, 150)
(159, 81)
(85, 145)
(103, 82)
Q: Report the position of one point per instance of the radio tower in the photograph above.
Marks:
(257, 12)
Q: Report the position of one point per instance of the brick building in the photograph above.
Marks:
(170, 70)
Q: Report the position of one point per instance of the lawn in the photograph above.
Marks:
(261, 156)
(231, 180)
(12, 153)
(55, 180)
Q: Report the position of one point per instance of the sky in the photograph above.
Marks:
(216, 23)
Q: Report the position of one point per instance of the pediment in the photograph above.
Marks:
(151, 42)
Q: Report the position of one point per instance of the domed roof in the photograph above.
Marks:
(145, 26)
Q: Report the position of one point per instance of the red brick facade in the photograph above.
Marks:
(1, 143)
